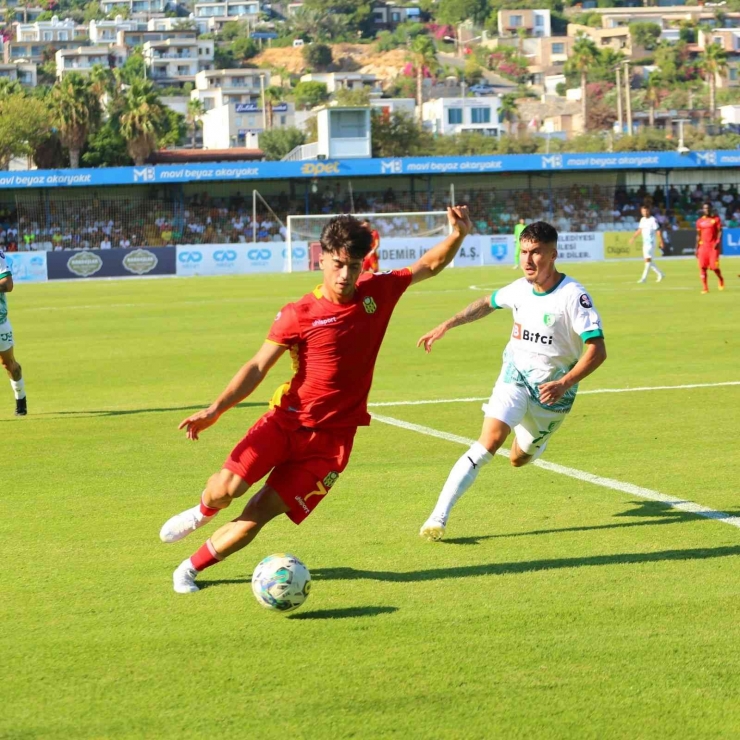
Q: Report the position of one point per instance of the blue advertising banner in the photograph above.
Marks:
(99, 263)
(27, 267)
(731, 242)
(219, 172)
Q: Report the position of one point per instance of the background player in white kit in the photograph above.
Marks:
(7, 359)
(650, 230)
(543, 363)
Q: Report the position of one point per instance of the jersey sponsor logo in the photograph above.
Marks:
(585, 301)
(302, 504)
(548, 319)
(321, 490)
(526, 335)
(279, 314)
(7, 338)
(324, 322)
(368, 303)
(331, 479)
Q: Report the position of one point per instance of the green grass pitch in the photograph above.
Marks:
(557, 609)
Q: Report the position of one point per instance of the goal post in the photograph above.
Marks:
(408, 224)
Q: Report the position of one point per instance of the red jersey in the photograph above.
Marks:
(371, 261)
(334, 348)
(708, 228)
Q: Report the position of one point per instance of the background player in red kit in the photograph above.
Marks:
(333, 334)
(371, 263)
(708, 241)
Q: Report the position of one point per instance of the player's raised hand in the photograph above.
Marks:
(431, 337)
(459, 219)
(197, 423)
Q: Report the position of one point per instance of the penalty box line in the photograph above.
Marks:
(646, 493)
(580, 393)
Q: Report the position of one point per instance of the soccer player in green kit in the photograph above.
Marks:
(517, 234)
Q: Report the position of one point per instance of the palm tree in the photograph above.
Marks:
(508, 110)
(76, 112)
(713, 64)
(195, 112)
(141, 116)
(272, 95)
(652, 96)
(423, 56)
(582, 58)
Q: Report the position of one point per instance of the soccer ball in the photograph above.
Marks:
(281, 582)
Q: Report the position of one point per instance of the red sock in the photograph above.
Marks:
(704, 279)
(207, 510)
(205, 557)
(718, 273)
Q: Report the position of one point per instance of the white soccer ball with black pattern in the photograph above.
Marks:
(281, 582)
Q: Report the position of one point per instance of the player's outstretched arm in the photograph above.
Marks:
(593, 357)
(241, 386)
(439, 256)
(6, 284)
(476, 310)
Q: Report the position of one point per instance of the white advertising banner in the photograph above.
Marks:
(580, 246)
(27, 267)
(497, 249)
(239, 259)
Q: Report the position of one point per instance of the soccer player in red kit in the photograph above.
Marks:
(303, 444)
(708, 241)
(370, 263)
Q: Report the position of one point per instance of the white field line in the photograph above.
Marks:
(646, 493)
(580, 393)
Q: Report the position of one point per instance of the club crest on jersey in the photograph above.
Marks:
(585, 301)
(330, 479)
(548, 319)
(279, 314)
(369, 305)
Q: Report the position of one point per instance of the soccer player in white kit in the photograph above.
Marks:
(650, 230)
(7, 359)
(543, 363)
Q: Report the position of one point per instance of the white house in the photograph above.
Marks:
(344, 80)
(217, 87)
(389, 106)
(534, 22)
(139, 7)
(25, 73)
(53, 30)
(106, 32)
(237, 124)
(211, 16)
(177, 60)
(455, 115)
(84, 58)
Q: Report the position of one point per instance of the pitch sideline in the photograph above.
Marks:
(646, 493)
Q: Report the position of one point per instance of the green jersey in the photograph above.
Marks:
(518, 231)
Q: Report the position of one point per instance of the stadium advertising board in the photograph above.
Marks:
(617, 245)
(581, 246)
(99, 263)
(238, 259)
(162, 174)
(731, 242)
(27, 267)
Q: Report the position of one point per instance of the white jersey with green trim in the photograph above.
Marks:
(4, 272)
(548, 334)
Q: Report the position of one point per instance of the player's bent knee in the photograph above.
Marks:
(224, 486)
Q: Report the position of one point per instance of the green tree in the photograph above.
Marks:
(645, 34)
(223, 58)
(101, 81)
(310, 94)
(107, 147)
(243, 49)
(713, 63)
(24, 125)
(398, 135)
(141, 120)
(358, 13)
(134, 68)
(317, 56)
(92, 12)
(653, 95)
(76, 113)
(352, 98)
(508, 111)
(423, 56)
(454, 12)
(272, 95)
(583, 56)
(195, 112)
(275, 144)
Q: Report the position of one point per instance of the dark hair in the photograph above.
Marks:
(346, 232)
(540, 232)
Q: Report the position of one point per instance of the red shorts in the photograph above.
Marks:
(370, 263)
(708, 259)
(305, 463)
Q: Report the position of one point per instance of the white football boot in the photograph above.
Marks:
(433, 529)
(181, 525)
(183, 579)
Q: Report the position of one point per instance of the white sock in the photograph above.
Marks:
(654, 267)
(461, 477)
(19, 388)
(645, 271)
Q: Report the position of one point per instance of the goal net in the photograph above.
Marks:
(303, 232)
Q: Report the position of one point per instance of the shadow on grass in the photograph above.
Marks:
(527, 566)
(347, 613)
(127, 412)
(661, 513)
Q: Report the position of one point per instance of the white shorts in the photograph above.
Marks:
(533, 426)
(6, 336)
(647, 251)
